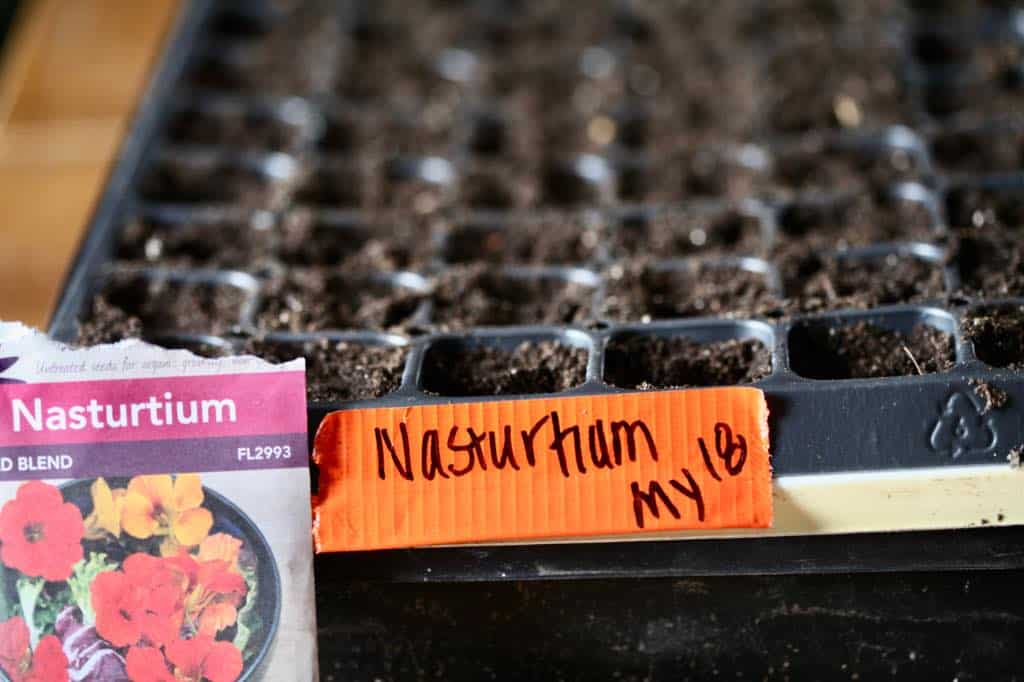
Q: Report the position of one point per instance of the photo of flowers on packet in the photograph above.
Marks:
(150, 579)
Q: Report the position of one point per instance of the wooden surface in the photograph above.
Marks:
(71, 73)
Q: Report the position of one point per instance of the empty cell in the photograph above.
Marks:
(990, 265)
(217, 238)
(502, 135)
(243, 124)
(857, 220)
(131, 304)
(819, 84)
(585, 180)
(573, 135)
(381, 241)
(861, 350)
(315, 299)
(297, 55)
(418, 185)
(498, 186)
(642, 292)
(475, 296)
(398, 80)
(997, 333)
(678, 361)
(826, 166)
(482, 369)
(678, 232)
(339, 369)
(992, 149)
(860, 281)
(699, 172)
(992, 207)
(547, 238)
(338, 183)
(259, 182)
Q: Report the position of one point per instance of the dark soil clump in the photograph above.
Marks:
(823, 167)
(316, 299)
(340, 370)
(379, 242)
(550, 239)
(856, 220)
(236, 128)
(863, 350)
(828, 283)
(979, 151)
(705, 290)
(208, 180)
(228, 240)
(128, 302)
(991, 208)
(675, 233)
(481, 370)
(647, 361)
(997, 333)
(990, 264)
(107, 324)
(474, 296)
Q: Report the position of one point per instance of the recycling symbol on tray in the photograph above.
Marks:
(962, 428)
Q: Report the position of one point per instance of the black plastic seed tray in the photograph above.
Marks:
(454, 201)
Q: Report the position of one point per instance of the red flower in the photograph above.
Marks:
(47, 664)
(40, 532)
(204, 658)
(143, 602)
(146, 664)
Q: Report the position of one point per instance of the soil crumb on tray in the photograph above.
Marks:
(992, 397)
(339, 370)
(863, 350)
(645, 361)
(480, 370)
(997, 333)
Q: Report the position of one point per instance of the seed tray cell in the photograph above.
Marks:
(227, 237)
(626, 196)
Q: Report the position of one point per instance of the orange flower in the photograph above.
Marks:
(213, 595)
(160, 505)
(106, 510)
(220, 547)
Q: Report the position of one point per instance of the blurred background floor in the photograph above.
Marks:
(72, 71)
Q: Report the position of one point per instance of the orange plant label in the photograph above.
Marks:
(560, 467)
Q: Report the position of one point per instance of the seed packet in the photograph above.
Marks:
(154, 515)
